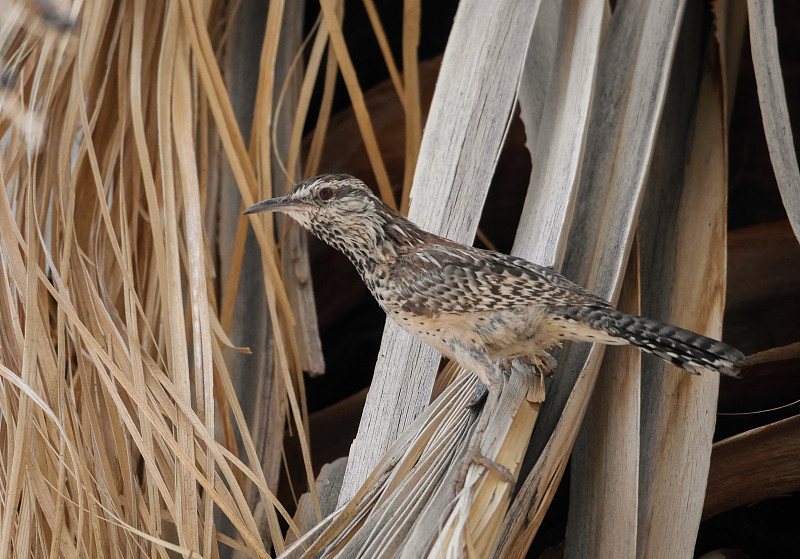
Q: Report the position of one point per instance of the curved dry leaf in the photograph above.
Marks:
(774, 111)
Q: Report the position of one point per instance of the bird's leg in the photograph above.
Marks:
(548, 364)
(505, 365)
(474, 455)
(477, 359)
(474, 358)
(481, 391)
(543, 363)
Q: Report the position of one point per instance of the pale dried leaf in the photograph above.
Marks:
(774, 112)
(463, 135)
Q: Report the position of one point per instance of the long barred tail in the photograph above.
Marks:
(683, 348)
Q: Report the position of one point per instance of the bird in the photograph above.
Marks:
(477, 307)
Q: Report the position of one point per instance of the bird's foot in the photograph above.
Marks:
(505, 365)
(544, 364)
(474, 457)
(547, 364)
(477, 458)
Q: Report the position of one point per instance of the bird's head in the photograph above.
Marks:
(339, 209)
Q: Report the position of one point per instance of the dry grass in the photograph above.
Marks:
(115, 385)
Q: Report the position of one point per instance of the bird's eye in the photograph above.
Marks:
(325, 193)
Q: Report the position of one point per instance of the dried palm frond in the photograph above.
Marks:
(607, 116)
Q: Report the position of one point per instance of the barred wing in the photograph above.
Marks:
(440, 279)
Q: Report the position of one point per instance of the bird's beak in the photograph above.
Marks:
(279, 204)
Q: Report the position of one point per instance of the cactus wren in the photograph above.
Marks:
(476, 306)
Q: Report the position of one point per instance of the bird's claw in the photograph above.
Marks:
(543, 364)
(474, 457)
(505, 474)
